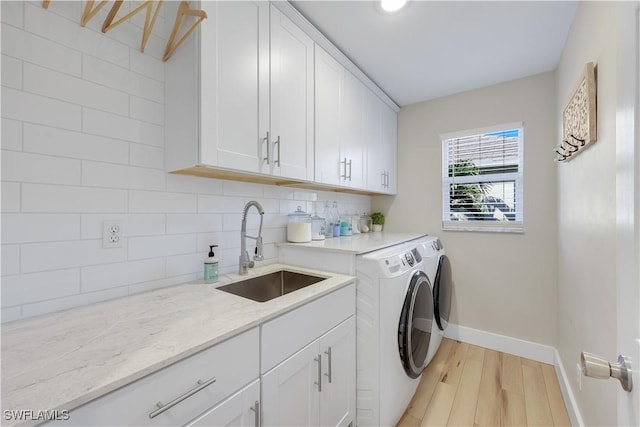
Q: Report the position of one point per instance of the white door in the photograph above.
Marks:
(352, 146)
(329, 82)
(232, 91)
(390, 144)
(373, 136)
(337, 400)
(291, 99)
(628, 205)
(290, 390)
(241, 409)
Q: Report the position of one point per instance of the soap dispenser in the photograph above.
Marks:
(211, 266)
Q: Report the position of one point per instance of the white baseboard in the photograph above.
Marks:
(567, 393)
(530, 350)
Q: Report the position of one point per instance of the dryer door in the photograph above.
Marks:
(442, 289)
(416, 320)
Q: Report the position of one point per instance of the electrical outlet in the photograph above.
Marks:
(111, 234)
(579, 376)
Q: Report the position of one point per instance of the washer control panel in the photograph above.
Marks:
(403, 261)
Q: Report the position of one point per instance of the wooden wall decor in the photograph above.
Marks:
(149, 21)
(183, 10)
(579, 117)
(90, 11)
(45, 3)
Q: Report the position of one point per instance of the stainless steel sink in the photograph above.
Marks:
(270, 286)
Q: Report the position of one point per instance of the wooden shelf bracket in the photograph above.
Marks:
(183, 10)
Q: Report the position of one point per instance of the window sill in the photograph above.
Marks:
(475, 227)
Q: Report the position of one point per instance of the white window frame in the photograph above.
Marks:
(516, 226)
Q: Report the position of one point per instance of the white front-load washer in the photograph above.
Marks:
(438, 269)
(394, 318)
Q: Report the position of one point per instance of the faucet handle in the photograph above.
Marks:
(251, 264)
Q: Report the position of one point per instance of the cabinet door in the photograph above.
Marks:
(329, 76)
(289, 391)
(291, 99)
(338, 397)
(389, 147)
(376, 162)
(238, 410)
(352, 145)
(234, 49)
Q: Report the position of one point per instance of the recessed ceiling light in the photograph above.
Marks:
(392, 5)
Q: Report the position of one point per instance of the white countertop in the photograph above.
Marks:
(359, 243)
(65, 359)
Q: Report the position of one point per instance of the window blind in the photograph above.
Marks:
(482, 179)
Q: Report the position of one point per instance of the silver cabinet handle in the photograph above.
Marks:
(256, 408)
(383, 178)
(345, 168)
(343, 176)
(164, 407)
(277, 162)
(268, 141)
(386, 184)
(596, 367)
(319, 382)
(328, 374)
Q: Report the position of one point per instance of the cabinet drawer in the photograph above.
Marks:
(233, 363)
(283, 336)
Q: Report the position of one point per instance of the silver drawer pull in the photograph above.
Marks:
(319, 382)
(328, 353)
(164, 407)
(256, 408)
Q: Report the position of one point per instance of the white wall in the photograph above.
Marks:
(587, 216)
(82, 142)
(503, 283)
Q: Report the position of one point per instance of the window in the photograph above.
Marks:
(482, 179)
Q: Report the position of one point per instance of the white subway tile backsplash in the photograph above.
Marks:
(38, 50)
(11, 135)
(132, 224)
(55, 255)
(60, 142)
(10, 197)
(237, 188)
(220, 204)
(9, 314)
(277, 192)
(146, 111)
(311, 196)
(25, 228)
(156, 246)
(57, 198)
(11, 72)
(64, 87)
(220, 238)
(193, 184)
(147, 65)
(193, 223)
(151, 134)
(185, 264)
(163, 283)
(146, 156)
(64, 303)
(154, 201)
(28, 107)
(28, 288)
(27, 167)
(113, 76)
(110, 125)
(98, 174)
(12, 13)
(99, 277)
(10, 259)
(69, 33)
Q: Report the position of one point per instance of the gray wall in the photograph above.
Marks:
(504, 283)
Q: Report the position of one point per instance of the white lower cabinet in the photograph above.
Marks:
(241, 409)
(315, 386)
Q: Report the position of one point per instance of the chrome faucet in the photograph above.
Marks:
(245, 263)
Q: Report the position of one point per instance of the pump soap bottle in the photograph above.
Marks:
(211, 267)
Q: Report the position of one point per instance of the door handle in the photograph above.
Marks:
(164, 407)
(277, 162)
(256, 408)
(328, 374)
(345, 169)
(262, 141)
(319, 382)
(597, 367)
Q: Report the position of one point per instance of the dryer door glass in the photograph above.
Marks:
(416, 320)
(442, 292)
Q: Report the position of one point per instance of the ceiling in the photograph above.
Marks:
(431, 49)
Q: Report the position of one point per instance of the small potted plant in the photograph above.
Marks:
(377, 219)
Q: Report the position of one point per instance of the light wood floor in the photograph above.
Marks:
(466, 385)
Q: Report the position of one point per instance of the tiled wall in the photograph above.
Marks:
(82, 142)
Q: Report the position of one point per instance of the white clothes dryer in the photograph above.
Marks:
(394, 318)
(438, 269)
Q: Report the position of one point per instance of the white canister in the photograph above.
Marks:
(299, 227)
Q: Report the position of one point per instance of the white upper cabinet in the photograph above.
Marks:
(381, 136)
(339, 124)
(240, 96)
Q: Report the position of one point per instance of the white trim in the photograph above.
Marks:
(517, 228)
(530, 350)
(567, 394)
(483, 130)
